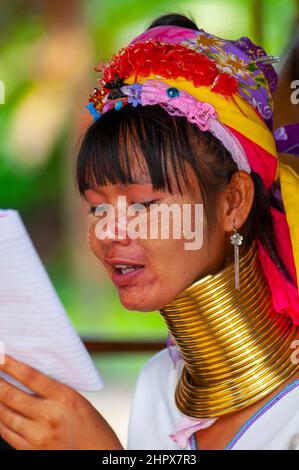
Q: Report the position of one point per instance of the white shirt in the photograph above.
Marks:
(154, 414)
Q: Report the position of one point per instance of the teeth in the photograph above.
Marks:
(127, 270)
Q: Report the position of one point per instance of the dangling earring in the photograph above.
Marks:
(236, 240)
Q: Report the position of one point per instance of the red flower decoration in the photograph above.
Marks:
(225, 84)
(166, 60)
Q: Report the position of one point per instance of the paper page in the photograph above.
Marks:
(34, 326)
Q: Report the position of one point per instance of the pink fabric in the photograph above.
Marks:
(282, 232)
(170, 34)
(285, 296)
(197, 112)
(261, 161)
(188, 426)
(229, 140)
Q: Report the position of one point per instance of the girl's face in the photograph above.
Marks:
(159, 268)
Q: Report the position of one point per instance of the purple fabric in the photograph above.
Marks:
(253, 51)
(287, 139)
(173, 350)
(235, 57)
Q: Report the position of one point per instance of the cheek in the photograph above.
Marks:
(93, 242)
(175, 265)
(168, 259)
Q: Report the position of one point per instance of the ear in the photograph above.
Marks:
(237, 200)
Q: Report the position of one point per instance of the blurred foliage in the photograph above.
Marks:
(111, 25)
(103, 315)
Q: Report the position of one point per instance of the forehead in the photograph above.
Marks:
(140, 171)
(136, 150)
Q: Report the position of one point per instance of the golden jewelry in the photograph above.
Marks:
(235, 347)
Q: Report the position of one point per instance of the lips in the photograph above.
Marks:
(125, 271)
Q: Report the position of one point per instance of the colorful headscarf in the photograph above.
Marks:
(226, 87)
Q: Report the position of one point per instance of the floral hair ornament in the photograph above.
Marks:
(177, 103)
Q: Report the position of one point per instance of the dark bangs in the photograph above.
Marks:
(146, 144)
(144, 140)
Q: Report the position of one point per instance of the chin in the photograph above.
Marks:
(137, 302)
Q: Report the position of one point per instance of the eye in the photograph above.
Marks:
(146, 204)
(99, 210)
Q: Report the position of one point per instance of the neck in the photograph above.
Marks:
(236, 348)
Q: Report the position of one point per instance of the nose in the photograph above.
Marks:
(112, 227)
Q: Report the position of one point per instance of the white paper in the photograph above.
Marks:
(34, 326)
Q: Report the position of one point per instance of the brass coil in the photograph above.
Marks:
(236, 348)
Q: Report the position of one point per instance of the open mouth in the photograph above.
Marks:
(126, 268)
(126, 274)
(124, 271)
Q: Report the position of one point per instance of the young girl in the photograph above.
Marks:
(183, 119)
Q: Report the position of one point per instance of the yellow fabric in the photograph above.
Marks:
(236, 113)
(240, 115)
(289, 182)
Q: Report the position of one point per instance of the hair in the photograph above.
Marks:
(166, 146)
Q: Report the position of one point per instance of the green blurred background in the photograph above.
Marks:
(48, 52)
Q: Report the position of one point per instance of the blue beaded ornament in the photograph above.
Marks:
(172, 92)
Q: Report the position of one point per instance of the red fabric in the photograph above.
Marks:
(168, 61)
(285, 295)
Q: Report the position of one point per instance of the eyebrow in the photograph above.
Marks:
(139, 183)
